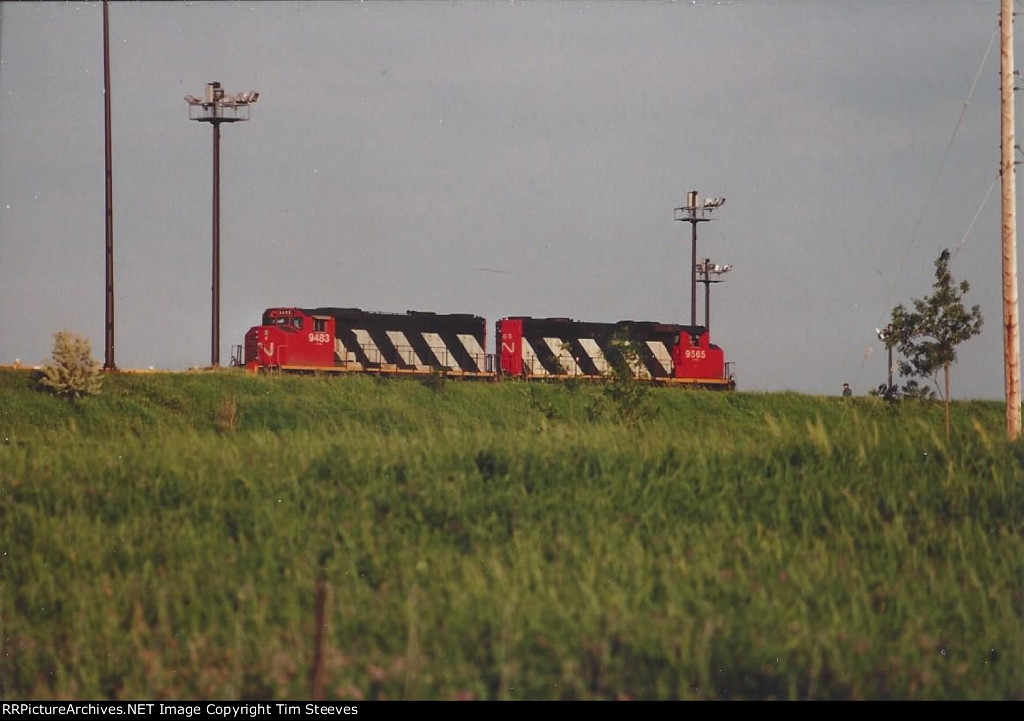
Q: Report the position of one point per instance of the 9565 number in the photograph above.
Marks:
(695, 354)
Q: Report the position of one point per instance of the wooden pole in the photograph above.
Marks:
(108, 340)
(1011, 329)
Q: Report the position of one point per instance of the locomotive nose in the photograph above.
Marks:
(253, 348)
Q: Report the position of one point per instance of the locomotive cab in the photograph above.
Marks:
(290, 338)
(696, 357)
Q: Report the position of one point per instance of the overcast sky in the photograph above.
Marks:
(507, 158)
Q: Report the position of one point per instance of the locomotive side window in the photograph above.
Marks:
(319, 325)
(297, 323)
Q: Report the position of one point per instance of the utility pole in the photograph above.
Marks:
(218, 108)
(108, 340)
(1011, 329)
(693, 214)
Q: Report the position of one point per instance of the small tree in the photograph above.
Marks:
(928, 335)
(71, 372)
(629, 395)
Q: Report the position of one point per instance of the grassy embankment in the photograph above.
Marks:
(501, 541)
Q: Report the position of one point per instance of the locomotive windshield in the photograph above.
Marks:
(293, 322)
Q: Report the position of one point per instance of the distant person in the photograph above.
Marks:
(846, 390)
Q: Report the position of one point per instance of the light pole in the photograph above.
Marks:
(694, 213)
(885, 335)
(217, 108)
(708, 269)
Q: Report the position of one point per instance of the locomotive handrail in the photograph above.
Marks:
(410, 357)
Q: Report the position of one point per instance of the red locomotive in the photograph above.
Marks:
(350, 339)
(423, 343)
(661, 353)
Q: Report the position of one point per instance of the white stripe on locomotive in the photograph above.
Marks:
(563, 356)
(530, 360)
(405, 349)
(373, 354)
(475, 351)
(596, 354)
(661, 354)
(342, 353)
(440, 349)
(639, 369)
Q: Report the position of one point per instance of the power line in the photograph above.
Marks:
(931, 191)
(942, 165)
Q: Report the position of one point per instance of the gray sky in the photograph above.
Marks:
(401, 153)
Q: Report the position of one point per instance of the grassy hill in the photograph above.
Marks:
(225, 536)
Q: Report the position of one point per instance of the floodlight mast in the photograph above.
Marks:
(885, 335)
(694, 213)
(217, 108)
(708, 269)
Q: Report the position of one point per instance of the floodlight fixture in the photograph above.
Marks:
(217, 107)
(711, 273)
(885, 335)
(708, 268)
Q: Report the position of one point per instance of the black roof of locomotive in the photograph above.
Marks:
(360, 313)
(420, 321)
(639, 327)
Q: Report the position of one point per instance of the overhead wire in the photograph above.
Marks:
(931, 191)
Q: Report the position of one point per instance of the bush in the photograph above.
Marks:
(628, 395)
(71, 372)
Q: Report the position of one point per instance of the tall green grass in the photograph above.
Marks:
(491, 541)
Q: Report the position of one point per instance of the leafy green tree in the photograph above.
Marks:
(927, 336)
(71, 372)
